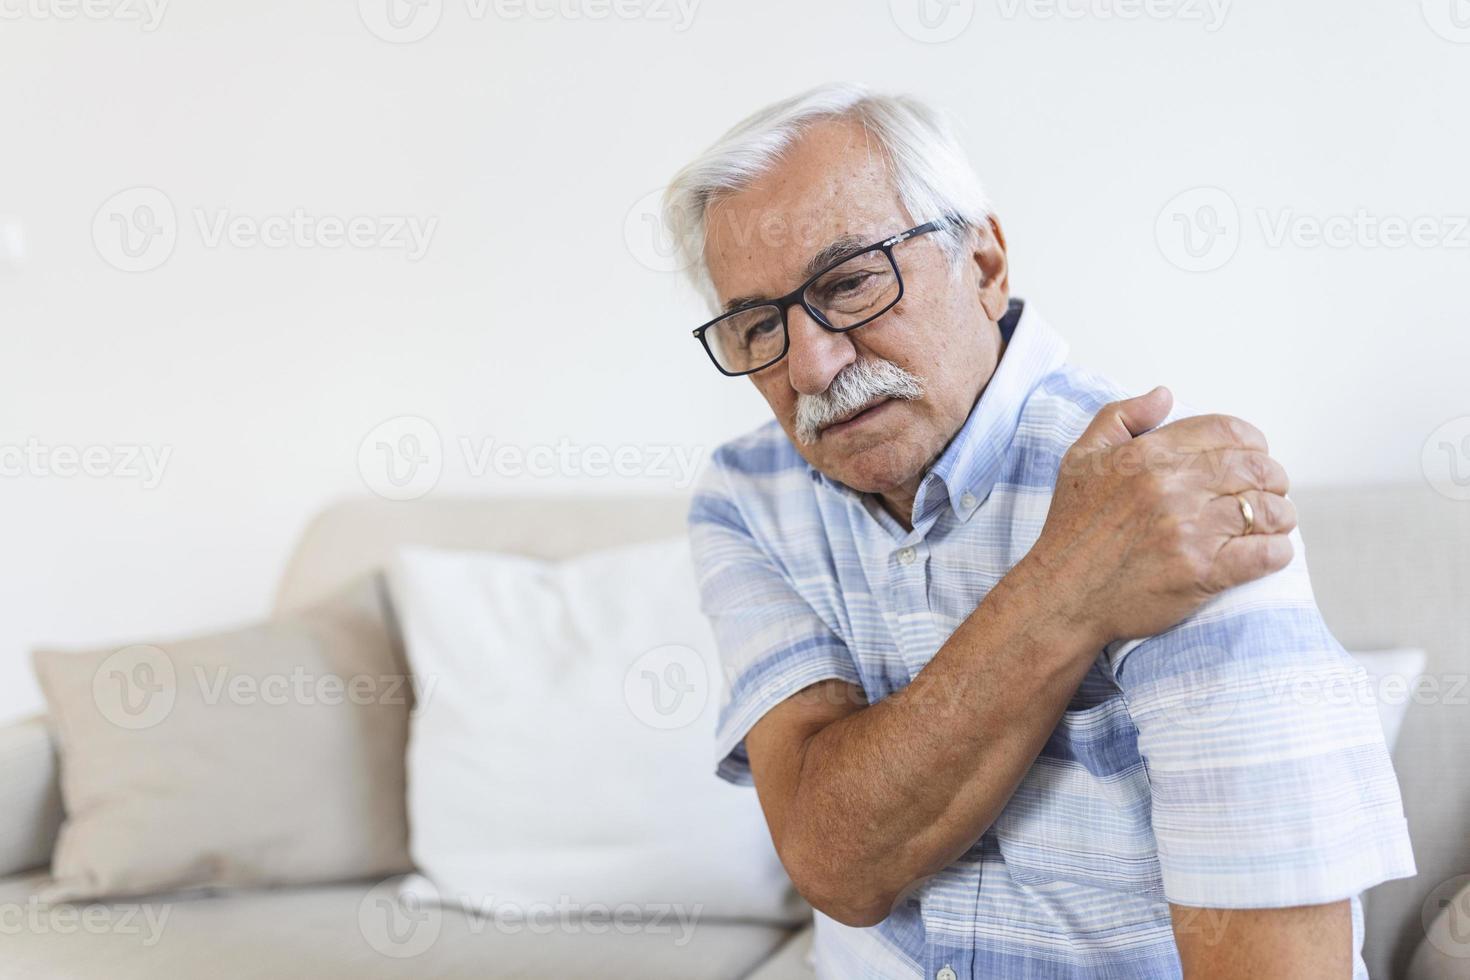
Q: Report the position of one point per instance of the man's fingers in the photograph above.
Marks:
(1118, 422)
(1251, 556)
(1272, 513)
(1235, 470)
(1142, 412)
(1199, 433)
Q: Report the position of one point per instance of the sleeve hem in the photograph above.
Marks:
(732, 763)
(1257, 888)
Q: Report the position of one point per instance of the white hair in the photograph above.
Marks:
(930, 172)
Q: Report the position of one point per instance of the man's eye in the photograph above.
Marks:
(759, 330)
(849, 285)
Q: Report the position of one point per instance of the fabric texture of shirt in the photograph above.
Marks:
(1233, 761)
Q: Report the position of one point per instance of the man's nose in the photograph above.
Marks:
(816, 355)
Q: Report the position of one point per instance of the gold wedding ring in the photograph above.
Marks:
(1247, 512)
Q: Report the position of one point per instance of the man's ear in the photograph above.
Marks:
(991, 262)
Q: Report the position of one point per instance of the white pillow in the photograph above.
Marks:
(563, 758)
(1393, 680)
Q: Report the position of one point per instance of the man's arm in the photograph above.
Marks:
(863, 801)
(1302, 943)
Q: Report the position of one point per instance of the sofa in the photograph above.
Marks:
(1391, 565)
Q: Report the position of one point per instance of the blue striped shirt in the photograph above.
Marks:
(1208, 765)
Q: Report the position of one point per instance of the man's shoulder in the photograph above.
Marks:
(754, 480)
(1070, 389)
(1059, 408)
(764, 451)
(1075, 385)
(1062, 404)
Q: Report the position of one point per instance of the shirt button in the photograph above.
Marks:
(967, 500)
(906, 556)
(945, 973)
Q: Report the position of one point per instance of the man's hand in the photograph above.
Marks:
(865, 800)
(1145, 526)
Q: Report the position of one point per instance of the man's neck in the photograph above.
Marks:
(899, 502)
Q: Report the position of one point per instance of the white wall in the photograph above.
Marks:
(534, 318)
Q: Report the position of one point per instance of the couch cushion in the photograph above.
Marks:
(564, 748)
(352, 932)
(267, 755)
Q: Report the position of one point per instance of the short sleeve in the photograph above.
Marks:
(1271, 784)
(771, 642)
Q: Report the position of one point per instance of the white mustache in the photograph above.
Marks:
(856, 387)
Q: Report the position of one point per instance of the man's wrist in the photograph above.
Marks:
(1042, 594)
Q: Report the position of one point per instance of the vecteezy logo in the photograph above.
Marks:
(1450, 19)
(1199, 230)
(667, 687)
(400, 921)
(1200, 708)
(1446, 458)
(932, 21)
(135, 230)
(1195, 701)
(1451, 900)
(400, 21)
(647, 238)
(135, 687)
(402, 458)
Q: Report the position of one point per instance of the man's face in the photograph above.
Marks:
(833, 184)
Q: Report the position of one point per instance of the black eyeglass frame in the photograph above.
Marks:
(798, 297)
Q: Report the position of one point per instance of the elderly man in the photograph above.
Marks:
(1015, 663)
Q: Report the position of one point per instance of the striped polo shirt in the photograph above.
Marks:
(1216, 764)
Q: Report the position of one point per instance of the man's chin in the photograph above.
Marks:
(879, 468)
(872, 457)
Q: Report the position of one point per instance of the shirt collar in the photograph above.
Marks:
(969, 466)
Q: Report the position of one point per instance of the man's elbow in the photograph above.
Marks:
(841, 896)
(849, 907)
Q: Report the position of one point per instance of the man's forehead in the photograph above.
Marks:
(832, 190)
(767, 253)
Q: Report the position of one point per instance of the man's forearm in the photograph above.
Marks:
(898, 790)
(1306, 942)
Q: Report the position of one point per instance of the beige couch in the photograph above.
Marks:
(1392, 568)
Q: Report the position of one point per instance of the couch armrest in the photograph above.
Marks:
(30, 807)
(1446, 944)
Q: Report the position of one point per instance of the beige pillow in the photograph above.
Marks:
(267, 755)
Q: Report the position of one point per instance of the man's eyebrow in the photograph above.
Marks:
(843, 248)
(834, 252)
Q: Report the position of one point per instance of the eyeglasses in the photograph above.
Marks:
(850, 293)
